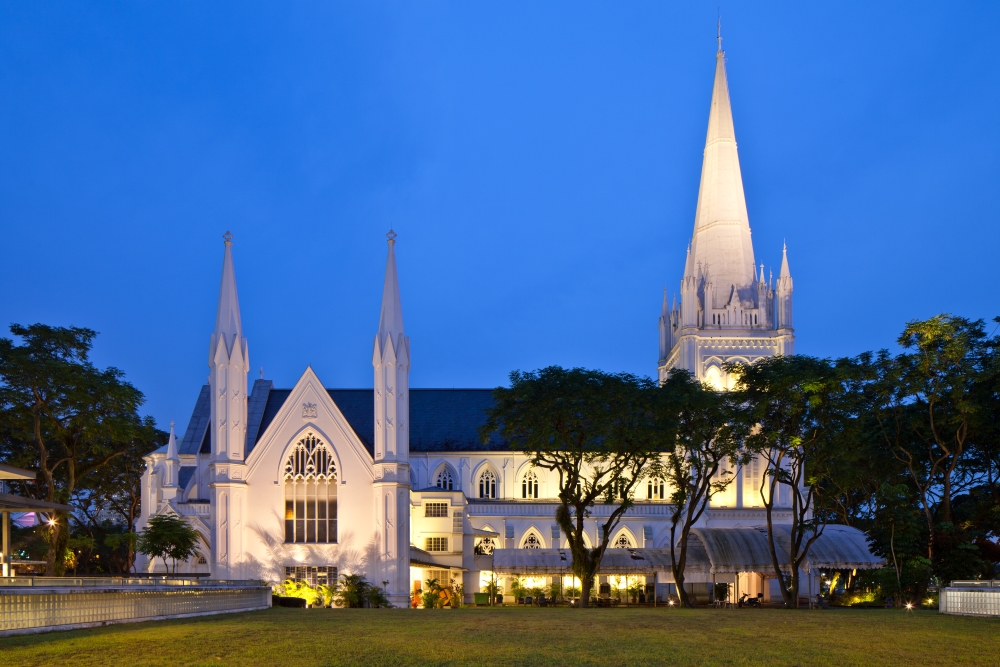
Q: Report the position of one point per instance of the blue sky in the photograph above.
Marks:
(539, 162)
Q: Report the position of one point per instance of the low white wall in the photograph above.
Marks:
(24, 610)
(970, 601)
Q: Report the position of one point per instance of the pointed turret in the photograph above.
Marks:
(171, 465)
(665, 341)
(390, 323)
(227, 318)
(783, 292)
(721, 227)
(784, 273)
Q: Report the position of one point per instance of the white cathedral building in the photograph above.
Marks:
(394, 483)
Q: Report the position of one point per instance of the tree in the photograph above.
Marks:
(798, 407)
(169, 536)
(64, 417)
(696, 462)
(108, 501)
(925, 403)
(597, 431)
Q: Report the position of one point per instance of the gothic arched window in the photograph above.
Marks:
(445, 480)
(529, 485)
(311, 493)
(623, 542)
(531, 541)
(487, 484)
(484, 547)
(655, 490)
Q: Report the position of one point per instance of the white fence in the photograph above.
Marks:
(971, 598)
(41, 606)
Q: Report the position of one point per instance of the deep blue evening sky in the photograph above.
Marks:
(539, 162)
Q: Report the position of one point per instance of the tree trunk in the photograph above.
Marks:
(586, 585)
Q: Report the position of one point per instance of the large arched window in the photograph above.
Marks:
(311, 493)
(529, 485)
(487, 484)
(445, 480)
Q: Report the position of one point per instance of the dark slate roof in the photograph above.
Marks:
(185, 475)
(197, 429)
(255, 411)
(441, 420)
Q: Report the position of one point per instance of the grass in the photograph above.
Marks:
(473, 636)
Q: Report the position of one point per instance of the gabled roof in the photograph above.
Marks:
(197, 429)
(441, 420)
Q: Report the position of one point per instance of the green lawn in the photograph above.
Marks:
(525, 637)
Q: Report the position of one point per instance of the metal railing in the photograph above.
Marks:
(103, 582)
(976, 583)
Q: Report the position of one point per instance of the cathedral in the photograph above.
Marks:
(394, 483)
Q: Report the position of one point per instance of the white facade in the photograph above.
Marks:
(394, 483)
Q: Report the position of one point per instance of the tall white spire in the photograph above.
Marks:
(228, 363)
(391, 362)
(721, 236)
(391, 320)
(726, 311)
(227, 317)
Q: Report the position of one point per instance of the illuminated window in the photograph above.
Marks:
(311, 493)
(445, 481)
(436, 543)
(655, 490)
(436, 509)
(531, 541)
(487, 484)
(623, 542)
(529, 485)
(320, 575)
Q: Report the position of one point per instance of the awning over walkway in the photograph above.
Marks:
(735, 550)
(837, 548)
(710, 551)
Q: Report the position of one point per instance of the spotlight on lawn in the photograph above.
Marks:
(909, 606)
(670, 603)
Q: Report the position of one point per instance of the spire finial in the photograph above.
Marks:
(171, 424)
(719, 28)
(261, 372)
(228, 237)
(391, 235)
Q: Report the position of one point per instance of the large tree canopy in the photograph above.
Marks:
(597, 431)
(63, 417)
